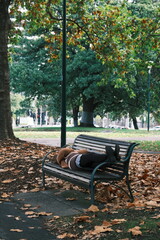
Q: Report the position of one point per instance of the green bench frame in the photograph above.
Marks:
(90, 178)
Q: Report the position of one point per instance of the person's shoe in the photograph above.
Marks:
(116, 152)
(110, 154)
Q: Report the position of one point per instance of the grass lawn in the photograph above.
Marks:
(148, 140)
(123, 224)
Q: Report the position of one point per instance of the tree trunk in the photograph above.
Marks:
(75, 116)
(6, 130)
(135, 124)
(87, 114)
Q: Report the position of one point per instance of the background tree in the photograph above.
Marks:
(32, 72)
(5, 108)
(84, 73)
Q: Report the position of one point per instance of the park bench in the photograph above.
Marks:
(89, 178)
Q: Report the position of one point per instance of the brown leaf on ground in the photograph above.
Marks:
(82, 219)
(44, 214)
(93, 208)
(118, 221)
(101, 229)
(66, 235)
(135, 231)
(156, 217)
(16, 230)
(29, 213)
(8, 180)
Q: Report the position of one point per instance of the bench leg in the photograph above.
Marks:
(43, 178)
(92, 192)
(129, 188)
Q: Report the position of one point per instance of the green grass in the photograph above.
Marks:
(149, 226)
(149, 141)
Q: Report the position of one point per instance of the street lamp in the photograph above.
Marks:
(149, 84)
(63, 111)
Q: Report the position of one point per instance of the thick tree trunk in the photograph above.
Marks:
(135, 123)
(6, 131)
(87, 114)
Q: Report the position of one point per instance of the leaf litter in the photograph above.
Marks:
(20, 171)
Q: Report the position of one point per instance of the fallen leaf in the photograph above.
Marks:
(44, 214)
(5, 195)
(101, 229)
(118, 221)
(15, 230)
(29, 213)
(82, 219)
(105, 210)
(17, 218)
(71, 199)
(153, 203)
(8, 181)
(106, 223)
(135, 231)
(156, 217)
(33, 216)
(119, 231)
(27, 205)
(67, 235)
(3, 170)
(93, 208)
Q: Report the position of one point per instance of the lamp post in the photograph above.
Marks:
(149, 84)
(63, 113)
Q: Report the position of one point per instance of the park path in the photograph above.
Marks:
(57, 142)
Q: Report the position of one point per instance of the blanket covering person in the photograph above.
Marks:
(83, 159)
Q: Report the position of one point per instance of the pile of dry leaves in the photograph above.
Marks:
(20, 171)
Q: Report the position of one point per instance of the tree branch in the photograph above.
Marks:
(69, 20)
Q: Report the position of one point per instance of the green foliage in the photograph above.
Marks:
(16, 100)
(84, 73)
(123, 35)
(31, 72)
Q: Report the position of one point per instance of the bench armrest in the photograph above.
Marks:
(45, 157)
(99, 166)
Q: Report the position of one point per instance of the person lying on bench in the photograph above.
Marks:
(83, 159)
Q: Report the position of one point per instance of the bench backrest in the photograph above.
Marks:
(97, 144)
